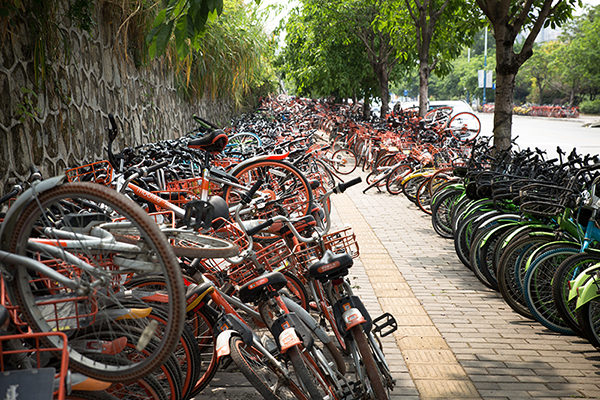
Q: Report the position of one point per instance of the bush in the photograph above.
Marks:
(590, 107)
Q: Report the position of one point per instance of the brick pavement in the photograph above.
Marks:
(461, 340)
(456, 338)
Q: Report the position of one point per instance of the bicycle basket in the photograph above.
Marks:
(100, 172)
(274, 257)
(543, 200)
(342, 241)
(35, 347)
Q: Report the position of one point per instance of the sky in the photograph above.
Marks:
(288, 5)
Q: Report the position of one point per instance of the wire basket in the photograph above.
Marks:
(35, 347)
(100, 172)
(543, 200)
(342, 241)
(274, 257)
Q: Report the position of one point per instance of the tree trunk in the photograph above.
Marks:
(382, 72)
(423, 88)
(367, 107)
(505, 87)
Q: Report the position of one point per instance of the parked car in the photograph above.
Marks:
(457, 105)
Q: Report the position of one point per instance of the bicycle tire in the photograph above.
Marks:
(393, 183)
(508, 272)
(83, 395)
(310, 379)
(146, 388)
(373, 374)
(343, 161)
(289, 186)
(588, 316)
(60, 200)
(410, 187)
(250, 362)
(566, 272)
(424, 197)
(537, 287)
(464, 126)
(195, 245)
(441, 211)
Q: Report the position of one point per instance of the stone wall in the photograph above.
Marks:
(64, 121)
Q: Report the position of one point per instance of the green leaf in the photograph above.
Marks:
(160, 17)
(162, 37)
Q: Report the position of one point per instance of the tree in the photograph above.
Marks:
(508, 19)
(322, 60)
(540, 67)
(332, 39)
(440, 30)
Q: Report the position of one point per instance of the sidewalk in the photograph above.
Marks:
(469, 342)
(456, 339)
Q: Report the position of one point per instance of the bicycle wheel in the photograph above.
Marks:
(94, 302)
(258, 371)
(510, 267)
(194, 245)
(82, 395)
(375, 378)
(308, 375)
(441, 212)
(464, 126)
(424, 197)
(244, 142)
(343, 161)
(393, 183)
(588, 316)
(411, 186)
(289, 188)
(537, 287)
(567, 271)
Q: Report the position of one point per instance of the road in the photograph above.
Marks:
(548, 133)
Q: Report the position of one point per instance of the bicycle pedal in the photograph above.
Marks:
(389, 323)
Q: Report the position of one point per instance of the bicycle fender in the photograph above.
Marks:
(580, 280)
(288, 338)
(222, 344)
(86, 384)
(240, 166)
(346, 304)
(14, 212)
(542, 249)
(588, 292)
(233, 323)
(307, 319)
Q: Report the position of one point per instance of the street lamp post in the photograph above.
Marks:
(484, 63)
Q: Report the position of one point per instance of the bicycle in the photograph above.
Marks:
(66, 266)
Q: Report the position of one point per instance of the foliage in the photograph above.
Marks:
(590, 107)
(186, 21)
(333, 48)
(231, 59)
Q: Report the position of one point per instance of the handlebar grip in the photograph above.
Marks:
(247, 197)
(325, 148)
(341, 188)
(158, 166)
(8, 196)
(260, 227)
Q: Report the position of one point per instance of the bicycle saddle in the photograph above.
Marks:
(213, 142)
(331, 266)
(253, 290)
